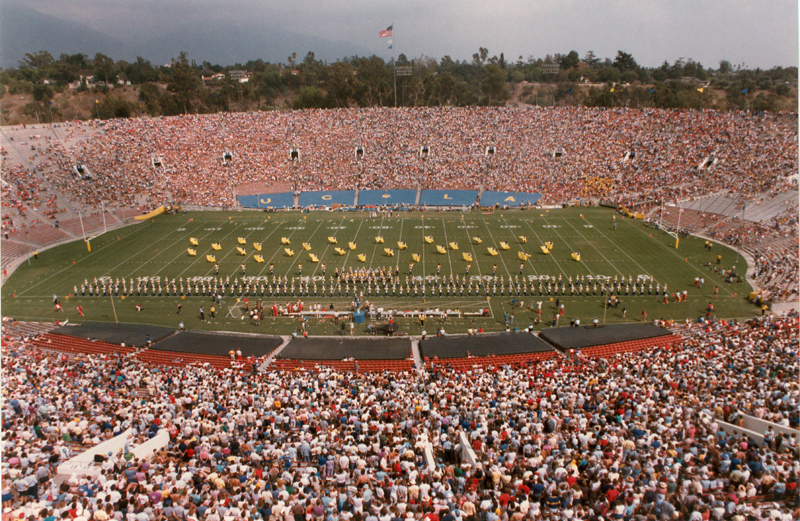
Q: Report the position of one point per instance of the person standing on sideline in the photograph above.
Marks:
(202, 314)
(213, 312)
(644, 315)
(80, 311)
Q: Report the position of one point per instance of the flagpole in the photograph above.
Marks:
(394, 62)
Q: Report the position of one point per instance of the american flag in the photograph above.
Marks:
(386, 32)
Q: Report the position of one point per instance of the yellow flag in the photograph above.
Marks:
(700, 89)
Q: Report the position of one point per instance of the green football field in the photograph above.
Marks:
(156, 250)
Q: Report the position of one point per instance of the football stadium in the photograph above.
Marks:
(299, 314)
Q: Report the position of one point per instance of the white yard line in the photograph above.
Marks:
(400, 238)
(349, 251)
(472, 247)
(154, 257)
(489, 232)
(613, 267)
(375, 248)
(447, 246)
(199, 258)
(542, 242)
(282, 247)
(529, 261)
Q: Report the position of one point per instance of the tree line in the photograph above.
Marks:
(184, 86)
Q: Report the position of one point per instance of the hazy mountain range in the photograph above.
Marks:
(26, 30)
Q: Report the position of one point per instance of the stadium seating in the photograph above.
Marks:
(74, 345)
(631, 346)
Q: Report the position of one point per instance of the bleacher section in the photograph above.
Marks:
(180, 359)
(277, 201)
(768, 206)
(448, 197)
(91, 223)
(512, 199)
(719, 203)
(26, 329)
(386, 197)
(11, 250)
(762, 208)
(693, 220)
(40, 234)
(129, 334)
(566, 338)
(631, 346)
(75, 345)
(127, 213)
(327, 198)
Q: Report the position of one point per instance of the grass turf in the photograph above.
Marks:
(158, 248)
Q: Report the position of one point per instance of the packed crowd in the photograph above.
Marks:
(636, 437)
(21, 192)
(600, 153)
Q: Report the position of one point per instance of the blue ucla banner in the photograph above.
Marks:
(386, 197)
(448, 197)
(328, 198)
(509, 198)
(248, 201)
(283, 200)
